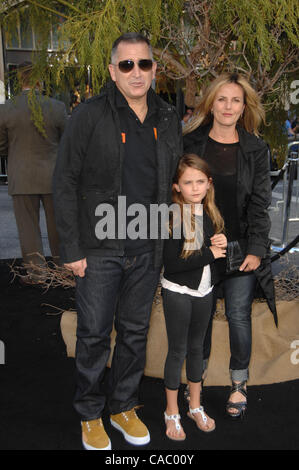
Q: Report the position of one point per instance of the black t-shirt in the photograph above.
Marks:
(139, 171)
(222, 159)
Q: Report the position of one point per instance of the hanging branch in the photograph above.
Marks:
(39, 5)
(69, 5)
(9, 5)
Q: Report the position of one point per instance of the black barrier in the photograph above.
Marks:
(285, 250)
(278, 177)
(293, 161)
(291, 165)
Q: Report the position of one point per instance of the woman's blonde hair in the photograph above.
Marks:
(252, 116)
(191, 160)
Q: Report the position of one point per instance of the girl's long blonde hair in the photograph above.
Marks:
(253, 114)
(191, 160)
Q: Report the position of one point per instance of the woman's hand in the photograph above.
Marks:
(218, 252)
(77, 267)
(250, 263)
(219, 240)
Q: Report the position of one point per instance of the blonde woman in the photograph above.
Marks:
(190, 271)
(224, 131)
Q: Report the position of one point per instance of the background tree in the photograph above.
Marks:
(87, 29)
(194, 41)
(257, 38)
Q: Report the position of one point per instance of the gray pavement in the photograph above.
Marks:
(10, 248)
(277, 217)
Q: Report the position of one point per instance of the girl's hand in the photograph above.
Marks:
(218, 252)
(250, 263)
(219, 240)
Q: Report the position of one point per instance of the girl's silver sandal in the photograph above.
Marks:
(200, 410)
(176, 419)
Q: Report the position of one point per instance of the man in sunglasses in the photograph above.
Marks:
(124, 142)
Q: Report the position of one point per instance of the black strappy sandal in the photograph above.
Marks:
(240, 406)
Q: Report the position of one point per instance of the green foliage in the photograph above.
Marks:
(202, 37)
(259, 25)
(88, 31)
(36, 112)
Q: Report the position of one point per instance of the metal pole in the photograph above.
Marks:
(292, 164)
(2, 85)
(293, 160)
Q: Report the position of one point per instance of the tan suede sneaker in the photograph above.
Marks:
(133, 429)
(94, 436)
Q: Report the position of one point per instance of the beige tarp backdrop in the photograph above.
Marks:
(274, 353)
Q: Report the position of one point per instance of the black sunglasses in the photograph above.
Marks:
(126, 66)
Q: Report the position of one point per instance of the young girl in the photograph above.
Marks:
(190, 271)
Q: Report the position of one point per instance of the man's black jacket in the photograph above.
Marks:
(89, 169)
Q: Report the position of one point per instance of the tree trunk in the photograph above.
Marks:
(191, 90)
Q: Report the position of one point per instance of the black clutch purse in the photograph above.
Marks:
(234, 257)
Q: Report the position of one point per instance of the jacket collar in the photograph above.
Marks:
(248, 142)
(110, 90)
(121, 102)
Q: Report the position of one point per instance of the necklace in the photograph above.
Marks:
(221, 140)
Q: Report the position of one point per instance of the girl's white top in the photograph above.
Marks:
(204, 287)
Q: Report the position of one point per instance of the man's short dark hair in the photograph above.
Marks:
(130, 38)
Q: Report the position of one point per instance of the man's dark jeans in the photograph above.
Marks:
(124, 287)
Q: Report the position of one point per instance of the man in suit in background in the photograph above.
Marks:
(31, 161)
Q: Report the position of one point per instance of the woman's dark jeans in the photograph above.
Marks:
(238, 296)
(124, 287)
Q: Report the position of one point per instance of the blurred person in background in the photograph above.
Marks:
(31, 161)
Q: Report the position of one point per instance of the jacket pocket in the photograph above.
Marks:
(97, 217)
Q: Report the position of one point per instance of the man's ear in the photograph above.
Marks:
(112, 72)
(154, 69)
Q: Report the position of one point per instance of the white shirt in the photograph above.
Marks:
(203, 289)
